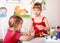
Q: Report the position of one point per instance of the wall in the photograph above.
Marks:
(52, 13)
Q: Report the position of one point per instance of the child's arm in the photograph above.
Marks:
(24, 33)
(47, 25)
(47, 28)
(23, 38)
(26, 38)
(32, 32)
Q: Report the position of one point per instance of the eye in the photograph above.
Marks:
(34, 10)
(38, 10)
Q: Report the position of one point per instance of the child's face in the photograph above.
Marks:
(19, 26)
(36, 11)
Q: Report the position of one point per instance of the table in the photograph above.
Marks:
(42, 40)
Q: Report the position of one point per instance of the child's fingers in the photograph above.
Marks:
(32, 31)
(40, 27)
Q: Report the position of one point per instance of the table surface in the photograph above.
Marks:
(42, 40)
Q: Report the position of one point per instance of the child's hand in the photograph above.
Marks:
(32, 33)
(40, 27)
(25, 33)
(28, 34)
(24, 38)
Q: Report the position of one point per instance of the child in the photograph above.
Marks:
(14, 34)
(39, 23)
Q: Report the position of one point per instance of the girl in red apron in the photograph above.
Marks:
(39, 23)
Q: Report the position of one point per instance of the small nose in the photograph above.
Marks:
(35, 11)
